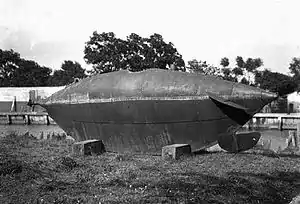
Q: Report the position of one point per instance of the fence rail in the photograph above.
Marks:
(26, 117)
(280, 121)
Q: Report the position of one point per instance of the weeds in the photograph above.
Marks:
(123, 157)
(10, 167)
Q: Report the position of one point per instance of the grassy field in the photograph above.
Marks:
(45, 171)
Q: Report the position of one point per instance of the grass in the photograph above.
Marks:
(45, 171)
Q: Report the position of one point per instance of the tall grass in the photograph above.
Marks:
(46, 171)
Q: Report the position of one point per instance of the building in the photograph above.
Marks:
(294, 101)
(278, 106)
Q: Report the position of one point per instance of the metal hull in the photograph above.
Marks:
(144, 126)
(144, 111)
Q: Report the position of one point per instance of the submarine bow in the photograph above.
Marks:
(237, 142)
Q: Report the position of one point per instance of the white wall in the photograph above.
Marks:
(295, 99)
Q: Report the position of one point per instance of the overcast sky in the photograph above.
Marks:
(50, 31)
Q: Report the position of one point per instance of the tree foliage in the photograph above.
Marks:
(203, 68)
(229, 73)
(272, 81)
(67, 74)
(295, 71)
(30, 73)
(223, 72)
(16, 71)
(251, 65)
(295, 67)
(240, 62)
(275, 82)
(9, 61)
(224, 62)
(247, 68)
(243, 71)
(108, 53)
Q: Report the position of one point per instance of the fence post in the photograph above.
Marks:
(250, 124)
(24, 118)
(28, 120)
(47, 120)
(280, 123)
(13, 107)
(257, 123)
(297, 136)
(9, 122)
(291, 138)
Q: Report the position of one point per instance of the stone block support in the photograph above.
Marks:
(88, 147)
(175, 151)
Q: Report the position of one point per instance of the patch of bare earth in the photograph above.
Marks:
(45, 171)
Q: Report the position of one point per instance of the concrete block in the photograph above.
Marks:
(88, 147)
(175, 151)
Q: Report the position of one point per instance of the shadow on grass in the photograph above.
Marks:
(272, 154)
(266, 153)
(279, 187)
(56, 185)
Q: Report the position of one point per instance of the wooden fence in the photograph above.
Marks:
(279, 121)
(27, 117)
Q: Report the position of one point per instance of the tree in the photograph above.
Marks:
(295, 70)
(204, 68)
(252, 64)
(275, 82)
(240, 62)
(244, 81)
(247, 68)
(224, 62)
(9, 61)
(237, 71)
(16, 71)
(197, 66)
(227, 75)
(107, 53)
(30, 74)
(295, 67)
(67, 74)
(240, 73)
(164, 53)
(227, 72)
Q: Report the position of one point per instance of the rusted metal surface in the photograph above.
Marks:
(141, 112)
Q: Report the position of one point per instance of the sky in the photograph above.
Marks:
(51, 31)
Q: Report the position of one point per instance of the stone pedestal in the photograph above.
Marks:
(175, 151)
(88, 147)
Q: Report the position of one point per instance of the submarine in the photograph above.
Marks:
(144, 111)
